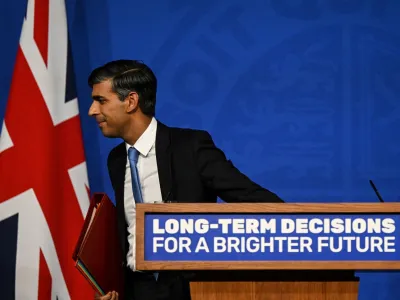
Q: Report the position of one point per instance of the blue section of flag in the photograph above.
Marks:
(70, 87)
(11, 16)
(8, 256)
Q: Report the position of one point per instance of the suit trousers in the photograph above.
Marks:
(168, 286)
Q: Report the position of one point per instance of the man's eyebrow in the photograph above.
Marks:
(97, 97)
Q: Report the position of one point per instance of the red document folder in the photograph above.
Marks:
(97, 254)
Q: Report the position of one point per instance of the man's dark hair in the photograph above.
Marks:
(129, 76)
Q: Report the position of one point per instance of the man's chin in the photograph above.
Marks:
(111, 136)
(108, 134)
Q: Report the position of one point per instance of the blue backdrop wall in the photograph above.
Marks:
(303, 96)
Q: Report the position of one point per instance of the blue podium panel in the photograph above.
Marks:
(266, 237)
(271, 236)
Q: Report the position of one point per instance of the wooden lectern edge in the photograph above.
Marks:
(260, 208)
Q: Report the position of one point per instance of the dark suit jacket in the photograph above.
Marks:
(191, 169)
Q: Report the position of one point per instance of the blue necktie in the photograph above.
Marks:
(133, 155)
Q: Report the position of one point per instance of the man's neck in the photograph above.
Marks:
(136, 129)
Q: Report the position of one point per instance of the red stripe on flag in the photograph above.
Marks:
(41, 28)
(44, 279)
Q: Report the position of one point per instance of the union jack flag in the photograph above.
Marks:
(44, 192)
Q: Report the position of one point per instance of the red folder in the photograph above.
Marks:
(97, 254)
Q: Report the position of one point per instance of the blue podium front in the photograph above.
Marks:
(258, 236)
(263, 237)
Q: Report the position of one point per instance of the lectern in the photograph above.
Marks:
(269, 251)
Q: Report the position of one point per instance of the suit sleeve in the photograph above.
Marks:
(220, 175)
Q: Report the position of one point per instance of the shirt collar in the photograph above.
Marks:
(146, 140)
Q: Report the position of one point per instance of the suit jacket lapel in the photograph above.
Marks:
(163, 156)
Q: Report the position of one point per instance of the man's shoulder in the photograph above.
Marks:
(187, 133)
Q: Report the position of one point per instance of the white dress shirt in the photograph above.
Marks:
(149, 182)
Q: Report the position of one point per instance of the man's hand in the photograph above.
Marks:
(110, 296)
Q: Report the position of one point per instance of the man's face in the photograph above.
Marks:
(110, 112)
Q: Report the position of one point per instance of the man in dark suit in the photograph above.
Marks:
(157, 163)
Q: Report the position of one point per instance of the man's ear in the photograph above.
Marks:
(133, 102)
